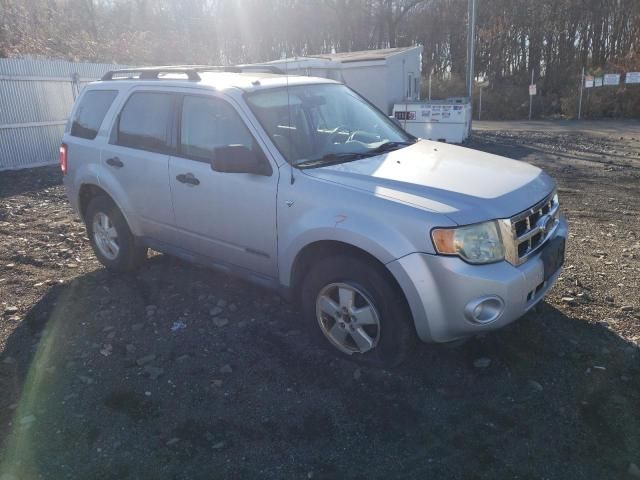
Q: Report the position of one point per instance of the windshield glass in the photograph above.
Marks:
(324, 123)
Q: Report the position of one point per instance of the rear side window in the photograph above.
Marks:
(91, 112)
(145, 122)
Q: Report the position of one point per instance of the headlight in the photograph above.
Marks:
(479, 243)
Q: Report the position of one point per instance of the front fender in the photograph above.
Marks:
(357, 229)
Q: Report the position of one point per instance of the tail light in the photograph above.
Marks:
(63, 158)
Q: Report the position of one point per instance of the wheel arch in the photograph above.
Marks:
(318, 250)
(88, 191)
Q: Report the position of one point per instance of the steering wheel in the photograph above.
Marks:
(362, 136)
(338, 130)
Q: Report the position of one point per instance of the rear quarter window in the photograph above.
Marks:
(91, 112)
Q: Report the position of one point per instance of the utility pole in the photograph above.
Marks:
(480, 105)
(430, 75)
(580, 101)
(471, 39)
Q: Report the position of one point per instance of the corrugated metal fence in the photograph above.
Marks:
(36, 97)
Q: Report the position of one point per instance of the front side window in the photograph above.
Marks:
(311, 124)
(209, 123)
(145, 122)
(91, 112)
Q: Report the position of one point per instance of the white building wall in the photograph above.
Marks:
(401, 69)
(370, 82)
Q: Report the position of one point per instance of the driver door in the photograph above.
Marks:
(228, 217)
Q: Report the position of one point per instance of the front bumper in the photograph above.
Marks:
(438, 289)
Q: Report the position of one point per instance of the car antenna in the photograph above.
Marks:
(286, 68)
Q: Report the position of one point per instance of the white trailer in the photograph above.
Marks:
(391, 79)
(384, 77)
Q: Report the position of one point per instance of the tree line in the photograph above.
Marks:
(553, 38)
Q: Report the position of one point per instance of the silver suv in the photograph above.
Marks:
(302, 185)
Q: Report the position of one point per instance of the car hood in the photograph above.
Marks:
(466, 185)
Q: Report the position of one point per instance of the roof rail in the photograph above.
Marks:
(191, 71)
(208, 68)
(236, 68)
(261, 68)
(152, 73)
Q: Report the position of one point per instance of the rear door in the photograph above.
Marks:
(136, 160)
(230, 217)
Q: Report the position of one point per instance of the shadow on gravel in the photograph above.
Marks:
(179, 372)
(15, 182)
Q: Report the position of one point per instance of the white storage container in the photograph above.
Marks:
(442, 120)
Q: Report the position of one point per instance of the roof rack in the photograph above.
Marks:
(191, 71)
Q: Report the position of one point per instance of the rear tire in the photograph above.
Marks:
(111, 239)
(354, 307)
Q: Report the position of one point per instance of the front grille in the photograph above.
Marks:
(524, 233)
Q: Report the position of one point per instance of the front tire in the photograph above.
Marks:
(354, 307)
(111, 239)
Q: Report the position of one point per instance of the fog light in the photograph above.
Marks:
(484, 310)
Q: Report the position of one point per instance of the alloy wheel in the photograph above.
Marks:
(348, 318)
(105, 236)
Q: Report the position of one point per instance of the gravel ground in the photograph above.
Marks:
(183, 373)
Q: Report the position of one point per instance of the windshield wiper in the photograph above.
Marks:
(343, 157)
(333, 159)
(389, 147)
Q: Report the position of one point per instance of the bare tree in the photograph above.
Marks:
(555, 38)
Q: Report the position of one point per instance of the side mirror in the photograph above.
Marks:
(239, 159)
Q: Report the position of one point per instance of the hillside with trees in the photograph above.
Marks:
(554, 38)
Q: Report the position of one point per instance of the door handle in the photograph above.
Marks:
(187, 178)
(115, 162)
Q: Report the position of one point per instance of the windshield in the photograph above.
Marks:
(316, 124)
